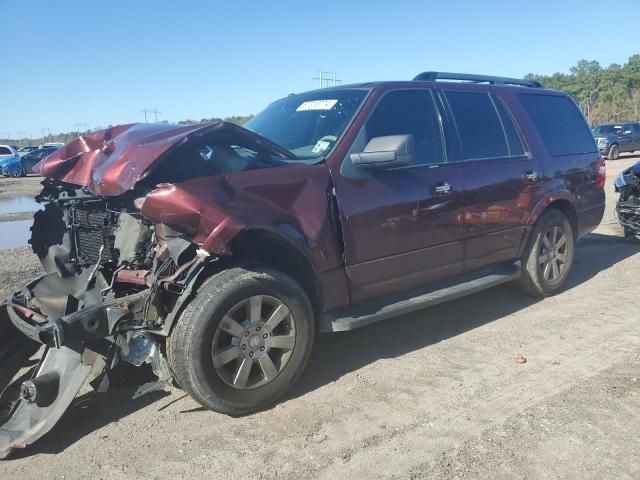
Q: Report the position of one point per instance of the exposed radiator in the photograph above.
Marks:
(93, 227)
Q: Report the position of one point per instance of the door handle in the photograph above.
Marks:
(442, 188)
(531, 176)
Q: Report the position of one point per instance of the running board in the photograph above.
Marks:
(345, 320)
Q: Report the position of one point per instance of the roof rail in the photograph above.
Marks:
(469, 77)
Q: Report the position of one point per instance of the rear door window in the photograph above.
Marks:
(479, 127)
(409, 112)
(560, 124)
(5, 151)
(513, 138)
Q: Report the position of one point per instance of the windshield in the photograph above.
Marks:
(308, 124)
(607, 129)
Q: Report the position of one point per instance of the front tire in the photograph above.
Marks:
(614, 152)
(243, 341)
(549, 254)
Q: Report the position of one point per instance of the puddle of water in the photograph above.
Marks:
(18, 203)
(15, 234)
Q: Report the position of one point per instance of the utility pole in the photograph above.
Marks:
(327, 77)
(48, 136)
(80, 124)
(149, 111)
(21, 137)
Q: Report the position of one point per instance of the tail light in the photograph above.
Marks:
(601, 172)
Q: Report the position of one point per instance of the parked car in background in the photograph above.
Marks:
(615, 138)
(216, 252)
(22, 151)
(8, 164)
(52, 145)
(627, 183)
(31, 159)
(20, 166)
(17, 166)
(7, 151)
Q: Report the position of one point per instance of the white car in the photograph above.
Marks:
(7, 151)
(52, 144)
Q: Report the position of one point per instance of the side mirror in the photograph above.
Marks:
(386, 152)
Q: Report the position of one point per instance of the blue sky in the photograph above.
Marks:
(101, 62)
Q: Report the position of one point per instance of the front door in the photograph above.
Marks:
(401, 225)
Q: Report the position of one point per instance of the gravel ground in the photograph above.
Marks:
(434, 394)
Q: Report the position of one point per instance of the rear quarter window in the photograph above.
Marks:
(560, 124)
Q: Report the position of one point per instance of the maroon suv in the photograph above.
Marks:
(216, 252)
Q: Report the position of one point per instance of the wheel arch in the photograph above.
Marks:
(266, 247)
(562, 201)
(569, 210)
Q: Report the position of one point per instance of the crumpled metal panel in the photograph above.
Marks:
(110, 162)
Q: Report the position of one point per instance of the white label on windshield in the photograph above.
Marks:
(317, 105)
(321, 146)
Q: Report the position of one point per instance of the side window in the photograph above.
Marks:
(5, 151)
(480, 130)
(409, 112)
(513, 138)
(636, 127)
(560, 124)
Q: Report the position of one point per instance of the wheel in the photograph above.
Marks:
(614, 152)
(549, 254)
(243, 340)
(16, 172)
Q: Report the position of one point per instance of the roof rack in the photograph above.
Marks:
(469, 77)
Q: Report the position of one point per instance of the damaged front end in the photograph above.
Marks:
(627, 184)
(134, 218)
(112, 277)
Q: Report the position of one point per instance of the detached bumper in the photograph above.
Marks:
(75, 348)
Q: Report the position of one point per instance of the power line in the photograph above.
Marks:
(328, 78)
(148, 111)
(48, 130)
(80, 124)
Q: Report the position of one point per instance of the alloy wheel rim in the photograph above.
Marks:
(553, 254)
(253, 342)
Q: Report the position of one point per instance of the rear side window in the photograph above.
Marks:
(409, 112)
(5, 151)
(513, 139)
(479, 127)
(560, 124)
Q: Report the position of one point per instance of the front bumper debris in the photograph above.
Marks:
(79, 346)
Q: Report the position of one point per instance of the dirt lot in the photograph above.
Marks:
(435, 394)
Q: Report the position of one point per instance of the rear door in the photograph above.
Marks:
(571, 156)
(635, 134)
(401, 225)
(626, 138)
(502, 179)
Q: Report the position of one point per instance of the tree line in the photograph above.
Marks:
(610, 94)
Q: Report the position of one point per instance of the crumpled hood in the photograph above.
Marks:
(110, 162)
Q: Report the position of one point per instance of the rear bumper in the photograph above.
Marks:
(590, 218)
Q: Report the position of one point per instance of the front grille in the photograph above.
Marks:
(93, 228)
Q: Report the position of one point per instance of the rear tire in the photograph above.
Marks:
(548, 257)
(614, 153)
(236, 313)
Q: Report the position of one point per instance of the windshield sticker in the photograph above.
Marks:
(316, 105)
(321, 146)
